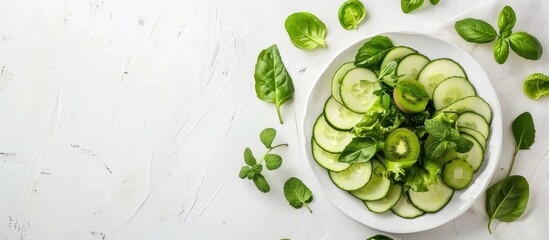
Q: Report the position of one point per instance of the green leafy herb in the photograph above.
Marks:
(446, 138)
(507, 199)
(416, 91)
(524, 131)
(526, 45)
(475, 30)
(351, 13)
(360, 149)
(297, 193)
(536, 85)
(379, 237)
(387, 70)
(373, 51)
(506, 21)
(381, 119)
(253, 169)
(272, 81)
(418, 178)
(434, 2)
(408, 6)
(306, 31)
(501, 50)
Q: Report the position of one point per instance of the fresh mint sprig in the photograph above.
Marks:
(446, 138)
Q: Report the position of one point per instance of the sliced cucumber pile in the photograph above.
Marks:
(387, 202)
(437, 196)
(357, 88)
(405, 209)
(328, 138)
(436, 71)
(377, 187)
(354, 177)
(409, 66)
(340, 117)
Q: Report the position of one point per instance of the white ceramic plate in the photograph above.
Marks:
(432, 47)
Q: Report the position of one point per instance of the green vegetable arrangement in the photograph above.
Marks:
(479, 31)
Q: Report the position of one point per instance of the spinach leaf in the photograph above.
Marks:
(526, 45)
(475, 30)
(379, 237)
(272, 81)
(408, 6)
(360, 149)
(524, 131)
(434, 2)
(297, 193)
(507, 199)
(351, 13)
(267, 136)
(306, 31)
(506, 21)
(501, 50)
(373, 51)
(536, 86)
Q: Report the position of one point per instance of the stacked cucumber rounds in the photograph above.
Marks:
(405, 176)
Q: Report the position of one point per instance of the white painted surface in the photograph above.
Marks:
(128, 119)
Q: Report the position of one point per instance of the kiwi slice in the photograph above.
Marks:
(407, 103)
(402, 145)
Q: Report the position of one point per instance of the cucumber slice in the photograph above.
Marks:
(475, 157)
(457, 174)
(405, 209)
(386, 203)
(410, 66)
(354, 177)
(329, 139)
(471, 104)
(477, 135)
(357, 89)
(339, 117)
(338, 76)
(328, 160)
(377, 187)
(434, 72)
(434, 199)
(450, 90)
(396, 54)
(474, 121)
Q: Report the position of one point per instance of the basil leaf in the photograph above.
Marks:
(360, 149)
(413, 90)
(536, 86)
(524, 131)
(507, 199)
(273, 161)
(249, 158)
(306, 31)
(261, 183)
(379, 237)
(267, 136)
(434, 2)
(506, 21)
(351, 13)
(373, 51)
(526, 45)
(297, 193)
(475, 30)
(408, 6)
(272, 81)
(501, 50)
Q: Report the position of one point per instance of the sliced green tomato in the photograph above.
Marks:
(474, 121)
(386, 203)
(396, 54)
(339, 117)
(328, 160)
(457, 174)
(434, 199)
(450, 90)
(328, 138)
(338, 77)
(477, 135)
(377, 187)
(405, 209)
(410, 66)
(471, 104)
(354, 177)
(475, 157)
(437, 70)
(357, 89)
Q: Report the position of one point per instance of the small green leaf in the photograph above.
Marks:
(273, 161)
(408, 6)
(379, 237)
(373, 51)
(434, 2)
(536, 86)
(360, 149)
(244, 172)
(257, 168)
(437, 129)
(463, 145)
(261, 183)
(436, 149)
(387, 70)
(416, 91)
(524, 131)
(297, 193)
(386, 101)
(306, 31)
(267, 136)
(507, 199)
(351, 13)
(506, 21)
(475, 30)
(249, 158)
(251, 174)
(501, 50)
(526, 45)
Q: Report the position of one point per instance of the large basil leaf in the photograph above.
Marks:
(507, 199)
(536, 85)
(272, 81)
(506, 21)
(373, 51)
(475, 30)
(306, 31)
(501, 50)
(408, 6)
(526, 45)
(351, 14)
(524, 131)
(360, 149)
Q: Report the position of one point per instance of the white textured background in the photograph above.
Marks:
(127, 119)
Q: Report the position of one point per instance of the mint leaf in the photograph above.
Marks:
(524, 131)
(273, 161)
(257, 168)
(244, 172)
(360, 149)
(267, 136)
(436, 149)
(261, 183)
(297, 193)
(249, 158)
(437, 129)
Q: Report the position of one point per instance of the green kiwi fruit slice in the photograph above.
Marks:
(407, 103)
(402, 145)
